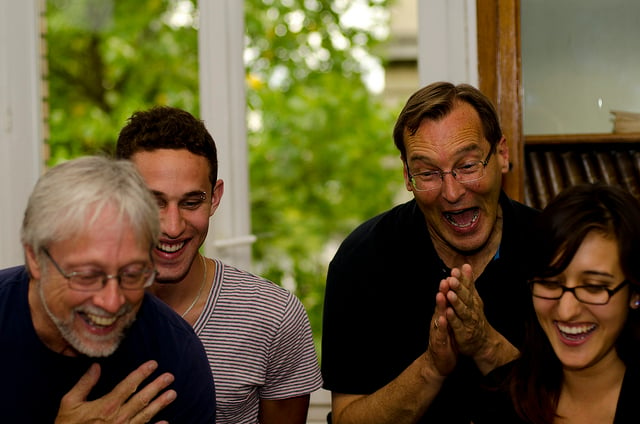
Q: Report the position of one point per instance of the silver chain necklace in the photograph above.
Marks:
(204, 281)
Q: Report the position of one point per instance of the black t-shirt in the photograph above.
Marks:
(380, 298)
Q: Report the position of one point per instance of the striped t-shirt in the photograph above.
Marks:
(259, 344)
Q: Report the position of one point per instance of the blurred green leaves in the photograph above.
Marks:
(321, 155)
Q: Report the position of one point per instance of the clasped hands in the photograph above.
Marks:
(459, 325)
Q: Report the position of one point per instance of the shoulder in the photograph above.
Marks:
(630, 387)
(15, 319)
(253, 300)
(13, 275)
(519, 223)
(14, 281)
(160, 332)
(157, 320)
(242, 284)
(392, 219)
(398, 224)
(516, 210)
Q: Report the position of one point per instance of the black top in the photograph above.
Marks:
(380, 298)
(35, 378)
(496, 406)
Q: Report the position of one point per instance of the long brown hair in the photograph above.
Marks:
(561, 228)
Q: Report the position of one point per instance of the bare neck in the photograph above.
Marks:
(188, 295)
(591, 395)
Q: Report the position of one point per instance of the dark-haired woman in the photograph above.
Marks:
(579, 363)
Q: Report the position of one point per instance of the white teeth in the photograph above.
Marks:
(455, 224)
(170, 248)
(100, 320)
(574, 330)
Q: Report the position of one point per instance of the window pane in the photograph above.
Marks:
(107, 59)
(579, 62)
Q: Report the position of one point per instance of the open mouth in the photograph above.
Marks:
(97, 320)
(575, 332)
(170, 247)
(463, 219)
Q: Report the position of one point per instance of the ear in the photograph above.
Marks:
(31, 260)
(502, 151)
(634, 302)
(405, 173)
(216, 196)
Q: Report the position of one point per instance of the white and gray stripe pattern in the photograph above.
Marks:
(259, 344)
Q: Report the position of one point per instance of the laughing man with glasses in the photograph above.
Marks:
(423, 299)
(80, 339)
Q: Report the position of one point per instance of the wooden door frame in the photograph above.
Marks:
(500, 78)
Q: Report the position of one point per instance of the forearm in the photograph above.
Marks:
(497, 351)
(403, 401)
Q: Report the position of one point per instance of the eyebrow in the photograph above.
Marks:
(201, 194)
(459, 152)
(198, 193)
(597, 274)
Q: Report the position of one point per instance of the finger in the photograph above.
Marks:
(461, 283)
(456, 273)
(466, 299)
(463, 312)
(439, 331)
(149, 411)
(440, 344)
(144, 405)
(467, 277)
(444, 286)
(458, 297)
(441, 303)
(82, 388)
(119, 395)
(453, 319)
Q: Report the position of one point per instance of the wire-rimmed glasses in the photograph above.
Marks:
(131, 279)
(465, 173)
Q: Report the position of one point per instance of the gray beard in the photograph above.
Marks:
(74, 340)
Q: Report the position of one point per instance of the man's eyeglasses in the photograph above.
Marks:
(465, 173)
(133, 279)
(590, 294)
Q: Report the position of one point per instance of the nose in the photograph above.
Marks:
(110, 298)
(568, 306)
(171, 220)
(451, 188)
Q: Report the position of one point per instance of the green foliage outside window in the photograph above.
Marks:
(321, 155)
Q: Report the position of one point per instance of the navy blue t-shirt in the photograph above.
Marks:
(35, 378)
